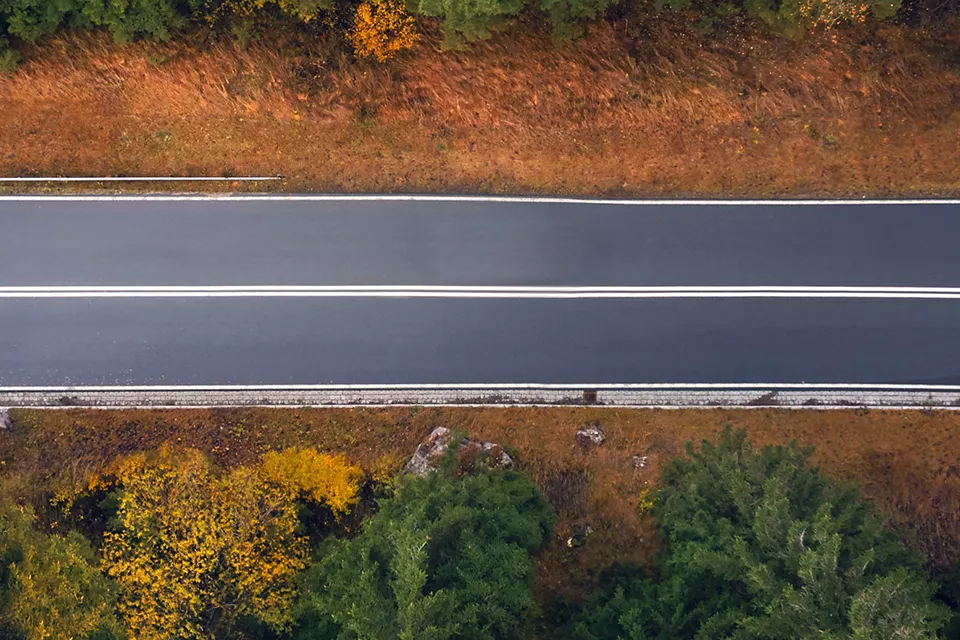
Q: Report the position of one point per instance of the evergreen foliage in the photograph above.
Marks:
(446, 558)
(761, 546)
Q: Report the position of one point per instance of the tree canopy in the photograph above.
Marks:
(196, 550)
(761, 546)
(50, 585)
(447, 557)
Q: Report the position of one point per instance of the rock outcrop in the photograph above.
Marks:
(428, 454)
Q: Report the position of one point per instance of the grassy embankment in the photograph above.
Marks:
(625, 111)
(906, 462)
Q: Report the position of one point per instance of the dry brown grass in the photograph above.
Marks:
(619, 112)
(904, 461)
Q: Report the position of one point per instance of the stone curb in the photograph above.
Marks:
(753, 398)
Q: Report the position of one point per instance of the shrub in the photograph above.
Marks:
(50, 587)
(197, 552)
(447, 557)
(381, 28)
(763, 546)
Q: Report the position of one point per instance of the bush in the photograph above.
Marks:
(50, 587)
(446, 558)
(763, 546)
(197, 552)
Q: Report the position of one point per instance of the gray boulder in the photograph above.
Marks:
(591, 436)
(426, 458)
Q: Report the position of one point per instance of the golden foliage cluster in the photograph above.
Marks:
(381, 29)
(197, 549)
(312, 475)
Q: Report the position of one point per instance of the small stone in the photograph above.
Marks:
(579, 536)
(639, 462)
(591, 436)
(4, 419)
(495, 457)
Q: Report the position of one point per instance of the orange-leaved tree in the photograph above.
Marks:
(198, 549)
(381, 28)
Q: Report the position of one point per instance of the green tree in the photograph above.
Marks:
(762, 546)
(126, 19)
(467, 20)
(130, 19)
(30, 19)
(446, 558)
(50, 587)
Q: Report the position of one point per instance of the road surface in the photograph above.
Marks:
(269, 291)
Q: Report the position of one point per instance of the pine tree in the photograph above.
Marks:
(446, 558)
(761, 546)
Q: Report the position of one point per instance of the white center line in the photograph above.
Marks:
(452, 291)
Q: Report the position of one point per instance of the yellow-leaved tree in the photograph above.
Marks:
(197, 549)
(50, 586)
(381, 28)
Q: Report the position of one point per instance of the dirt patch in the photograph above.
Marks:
(904, 461)
(627, 110)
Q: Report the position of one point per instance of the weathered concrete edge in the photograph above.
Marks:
(667, 399)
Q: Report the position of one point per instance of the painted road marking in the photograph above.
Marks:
(454, 198)
(525, 386)
(143, 179)
(453, 291)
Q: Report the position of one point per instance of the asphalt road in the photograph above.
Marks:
(256, 339)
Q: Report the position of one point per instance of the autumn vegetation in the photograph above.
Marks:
(211, 525)
(381, 28)
(574, 97)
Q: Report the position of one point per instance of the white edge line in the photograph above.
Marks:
(461, 198)
(442, 288)
(526, 386)
(445, 291)
(144, 179)
(477, 295)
